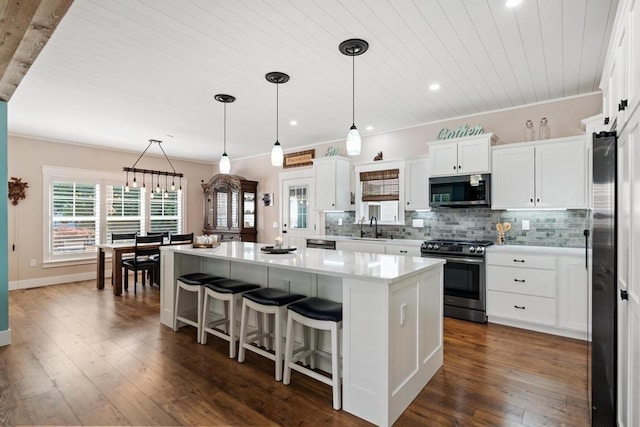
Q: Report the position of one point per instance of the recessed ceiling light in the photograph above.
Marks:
(293, 123)
(369, 128)
(513, 3)
(434, 86)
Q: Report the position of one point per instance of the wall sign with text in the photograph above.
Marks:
(464, 130)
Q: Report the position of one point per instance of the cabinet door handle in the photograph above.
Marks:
(531, 200)
(606, 120)
(403, 252)
(454, 167)
(623, 105)
(518, 260)
(519, 307)
(538, 200)
(459, 167)
(519, 280)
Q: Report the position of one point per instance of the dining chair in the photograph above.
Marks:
(181, 238)
(123, 237)
(146, 247)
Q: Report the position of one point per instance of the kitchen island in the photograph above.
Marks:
(392, 312)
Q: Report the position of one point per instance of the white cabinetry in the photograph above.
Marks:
(360, 246)
(331, 178)
(546, 174)
(468, 155)
(540, 289)
(408, 250)
(417, 183)
(574, 294)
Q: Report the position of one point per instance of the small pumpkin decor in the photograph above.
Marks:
(17, 190)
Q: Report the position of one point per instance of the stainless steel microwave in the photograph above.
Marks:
(460, 191)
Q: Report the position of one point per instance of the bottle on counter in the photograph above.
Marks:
(529, 131)
(543, 130)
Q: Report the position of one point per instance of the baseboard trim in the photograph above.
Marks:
(5, 337)
(579, 335)
(53, 280)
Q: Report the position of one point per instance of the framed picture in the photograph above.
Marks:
(301, 158)
(267, 199)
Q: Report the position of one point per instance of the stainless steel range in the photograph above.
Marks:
(465, 288)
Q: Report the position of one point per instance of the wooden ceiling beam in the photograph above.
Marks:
(25, 28)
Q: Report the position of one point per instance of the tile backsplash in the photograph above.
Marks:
(563, 228)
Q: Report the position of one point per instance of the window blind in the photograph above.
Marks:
(74, 215)
(165, 213)
(380, 185)
(124, 210)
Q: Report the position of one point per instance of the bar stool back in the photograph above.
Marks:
(191, 283)
(269, 301)
(229, 292)
(322, 314)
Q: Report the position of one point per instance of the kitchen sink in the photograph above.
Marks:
(368, 239)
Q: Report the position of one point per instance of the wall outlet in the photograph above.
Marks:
(403, 314)
(417, 223)
(525, 225)
(33, 262)
(275, 224)
(339, 221)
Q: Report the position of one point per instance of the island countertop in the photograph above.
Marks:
(361, 265)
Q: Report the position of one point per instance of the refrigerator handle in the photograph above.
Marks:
(586, 249)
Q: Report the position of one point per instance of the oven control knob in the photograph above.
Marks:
(480, 251)
(430, 246)
(436, 247)
(472, 249)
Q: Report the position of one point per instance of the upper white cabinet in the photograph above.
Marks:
(546, 174)
(331, 178)
(417, 183)
(468, 155)
(621, 76)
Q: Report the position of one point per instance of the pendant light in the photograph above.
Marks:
(225, 163)
(277, 156)
(353, 48)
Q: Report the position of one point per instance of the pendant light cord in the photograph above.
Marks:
(353, 91)
(277, 112)
(224, 140)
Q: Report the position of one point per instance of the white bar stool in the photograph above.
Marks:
(193, 283)
(322, 314)
(267, 301)
(230, 292)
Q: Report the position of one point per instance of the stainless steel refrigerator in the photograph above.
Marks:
(604, 282)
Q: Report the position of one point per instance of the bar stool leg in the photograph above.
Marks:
(288, 351)
(244, 319)
(335, 365)
(231, 325)
(279, 315)
(175, 309)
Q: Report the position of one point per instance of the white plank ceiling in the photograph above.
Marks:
(118, 72)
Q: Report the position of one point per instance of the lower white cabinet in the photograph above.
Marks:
(360, 246)
(408, 250)
(542, 289)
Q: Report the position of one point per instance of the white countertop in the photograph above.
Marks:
(378, 267)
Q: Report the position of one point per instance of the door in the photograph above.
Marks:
(561, 174)
(631, 344)
(298, 219)
(512, 182)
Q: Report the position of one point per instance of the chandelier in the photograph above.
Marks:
(161, 192)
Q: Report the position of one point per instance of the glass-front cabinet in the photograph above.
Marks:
(230, 207)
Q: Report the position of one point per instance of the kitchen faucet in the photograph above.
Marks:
(376, 233)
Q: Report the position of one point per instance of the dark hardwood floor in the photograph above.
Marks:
(83, 356)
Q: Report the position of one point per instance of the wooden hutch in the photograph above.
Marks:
(230, 208)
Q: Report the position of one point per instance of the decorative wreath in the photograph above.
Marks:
(16, 190)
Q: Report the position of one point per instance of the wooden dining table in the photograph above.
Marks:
(116, 250)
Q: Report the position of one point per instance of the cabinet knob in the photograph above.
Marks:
(538, 200)
(531, 200)
(408, 203)
(333, 204)
(454, 167)
(459, 167)
(623, 105)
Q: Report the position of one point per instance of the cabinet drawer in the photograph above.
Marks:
(527, 281)
(402, 250)
(522, 260)
(526, 308)
(230, 237)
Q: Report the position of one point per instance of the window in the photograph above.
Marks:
(166, 215)
(380, 191)
(74, 218)
(83, 208)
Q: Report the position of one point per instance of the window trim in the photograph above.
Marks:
(102, 178)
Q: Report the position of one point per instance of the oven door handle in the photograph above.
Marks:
(461, 260)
